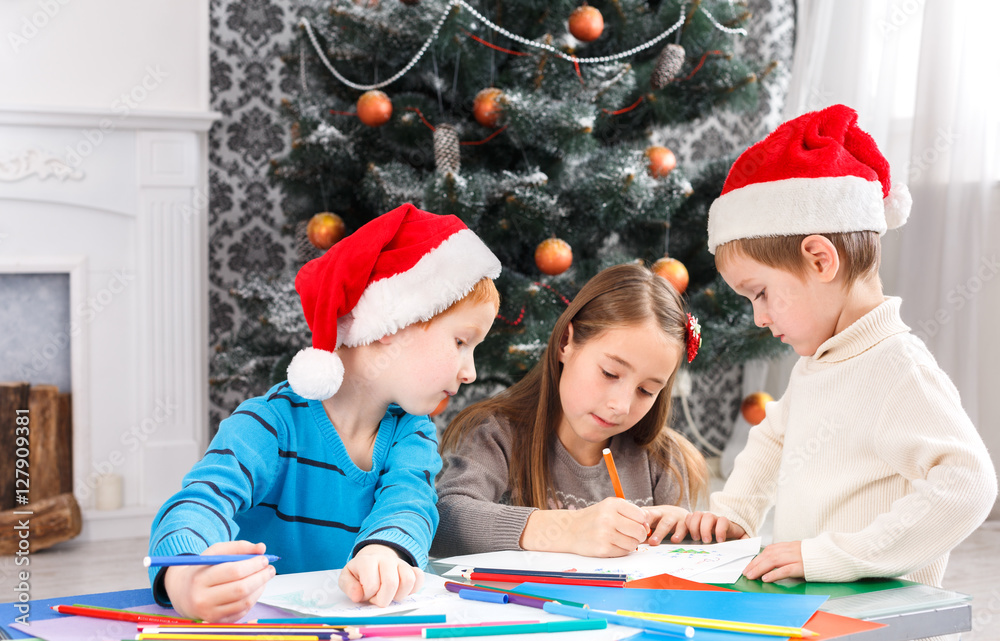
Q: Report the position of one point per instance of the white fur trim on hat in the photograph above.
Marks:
(794, 206)
(440, 278)
(315, 373)
(897, 205)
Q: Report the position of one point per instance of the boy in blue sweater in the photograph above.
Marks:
(334, 468)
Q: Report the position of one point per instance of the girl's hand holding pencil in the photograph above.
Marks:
(614, 527)
(221, 593)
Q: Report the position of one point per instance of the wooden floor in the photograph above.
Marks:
(80, 568)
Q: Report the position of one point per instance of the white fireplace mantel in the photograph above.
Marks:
(119, 201)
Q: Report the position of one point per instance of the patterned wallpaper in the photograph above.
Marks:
(248, 82)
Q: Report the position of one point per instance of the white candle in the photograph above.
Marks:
(108, 494)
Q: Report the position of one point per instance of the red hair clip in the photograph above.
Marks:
(693, 337)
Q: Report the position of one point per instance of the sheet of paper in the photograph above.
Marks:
(715, 563)
(319, 594)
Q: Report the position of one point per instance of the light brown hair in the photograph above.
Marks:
(860, 253)
(619, 296)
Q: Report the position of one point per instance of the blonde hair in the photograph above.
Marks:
(618, 296)
(860, 253)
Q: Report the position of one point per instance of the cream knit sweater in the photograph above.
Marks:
(868, 459)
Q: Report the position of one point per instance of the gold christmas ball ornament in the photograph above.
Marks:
(586, 23)
(374, 108)
(553, 256)
(674, 271)
(662, 161)
(753, 407)
(325, 229)
(486, 107)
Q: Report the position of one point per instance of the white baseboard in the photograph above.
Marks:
(109, 525)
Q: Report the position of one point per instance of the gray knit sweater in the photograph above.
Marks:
(474, 489)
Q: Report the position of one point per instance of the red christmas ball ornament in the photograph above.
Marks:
(486, 107)
(553, 256)
(441, 406)
(325, 229)
(374, 108)
(674, 271)
(586, 23)
(661, 161)
(752, 407)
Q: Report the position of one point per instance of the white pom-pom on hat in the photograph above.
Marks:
(897, 205)
(315, 374)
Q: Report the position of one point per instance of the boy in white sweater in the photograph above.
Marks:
(871, 464)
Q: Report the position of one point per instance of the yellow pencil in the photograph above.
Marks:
(721, 624)
(227, 637)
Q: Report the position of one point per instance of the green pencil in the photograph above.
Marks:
(523, 628)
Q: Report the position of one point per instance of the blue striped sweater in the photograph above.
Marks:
(278, 472)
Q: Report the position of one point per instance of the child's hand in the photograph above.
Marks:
(665, 519)
(777, 561)
(221, 593)
(613, 527)
(704, 525)
(377, 574)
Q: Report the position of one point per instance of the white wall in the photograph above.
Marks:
(118, 92)
(77, 53)
(987, 348)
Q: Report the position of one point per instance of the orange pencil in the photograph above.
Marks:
(613, 472)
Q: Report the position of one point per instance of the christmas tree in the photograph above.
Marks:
(532, 121)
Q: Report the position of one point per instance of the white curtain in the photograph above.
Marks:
(923, 75)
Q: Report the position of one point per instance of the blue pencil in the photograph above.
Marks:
(201, 559)
(375, 620)
(671, 629)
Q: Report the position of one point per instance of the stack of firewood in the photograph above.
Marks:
(36, 468)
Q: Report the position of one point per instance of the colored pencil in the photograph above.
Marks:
(660, 627)
(202, 559)
(613, 473)
(231, 637)
(176, 627)
(609, 460)
(483, 595)
(568, 574)
(722, 624)
(523, 598)
(517, 578)
(524, 628)
(416, 630)
(115, 615)
(323, 632)
(376, 620)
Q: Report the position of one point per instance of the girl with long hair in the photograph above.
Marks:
(524, 469)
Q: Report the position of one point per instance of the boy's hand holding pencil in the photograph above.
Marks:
(221, 593)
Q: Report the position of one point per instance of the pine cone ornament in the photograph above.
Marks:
(304, 250)
(667, 65)
(446, 151)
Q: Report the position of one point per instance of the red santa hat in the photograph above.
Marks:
(403, 267)
(816, 174)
